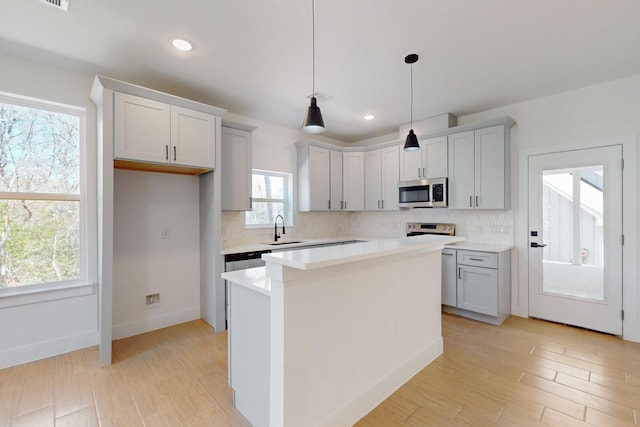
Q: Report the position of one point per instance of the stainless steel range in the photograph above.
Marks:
(420, 228)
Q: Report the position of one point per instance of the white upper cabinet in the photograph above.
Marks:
(382, 172)
(314, 171)
(337, 201)
(142, 129)
(236, 169)
(479, 169)
(146, 130)
(373, 180)
(428, 162)
(193, 137)
(353, 180)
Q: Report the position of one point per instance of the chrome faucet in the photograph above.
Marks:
(276, 236)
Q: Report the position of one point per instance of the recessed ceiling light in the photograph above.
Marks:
(369, 117)
(182, 45)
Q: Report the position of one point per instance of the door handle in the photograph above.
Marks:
(419, 173)
(382, 204)
(460, 273)
(444, 253)
(470, 201)
(329, 204)
(166, 152)
(174, 153)
(476, 201)
(538, 245)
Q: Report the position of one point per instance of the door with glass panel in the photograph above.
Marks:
(575, 238)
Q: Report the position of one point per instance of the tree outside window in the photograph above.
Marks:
(40, 194)
(271, 196)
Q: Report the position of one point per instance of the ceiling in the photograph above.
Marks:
(253, 57)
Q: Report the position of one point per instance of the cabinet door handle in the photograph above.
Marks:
(345, 205)
(251, 202)
(382, 204)
(174, 153)
(459, 272)
(329, 204)
(424, 172)
(166, 152)
(470, 201)
(476, 259)
(476, 201)
(419, 173)
(378, 204)
(341, 204)
(447, 254)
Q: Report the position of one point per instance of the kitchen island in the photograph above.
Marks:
(319, 337)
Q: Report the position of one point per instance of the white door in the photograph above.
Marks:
(575, 238)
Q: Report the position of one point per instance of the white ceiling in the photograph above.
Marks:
(253, 57)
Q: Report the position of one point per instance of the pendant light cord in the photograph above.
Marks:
(411, 96)
(313, 48)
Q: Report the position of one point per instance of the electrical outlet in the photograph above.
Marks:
(152, 299)
(165, 233)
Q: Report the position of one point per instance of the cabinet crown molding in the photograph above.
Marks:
(102, 82)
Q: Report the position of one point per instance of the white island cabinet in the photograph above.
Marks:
(319, 337)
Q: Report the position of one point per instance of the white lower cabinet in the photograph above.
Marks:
(449, 286)
(477, 284)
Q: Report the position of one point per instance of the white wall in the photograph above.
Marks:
(144, 263)
(39, 330)
(608, 113)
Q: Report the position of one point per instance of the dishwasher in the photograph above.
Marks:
(240, 261)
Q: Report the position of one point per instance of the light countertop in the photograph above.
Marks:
(303, 242)
(253, 278)
(483, 247)
(307, 259)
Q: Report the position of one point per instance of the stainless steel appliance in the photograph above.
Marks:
(423, 193)
(420, 228)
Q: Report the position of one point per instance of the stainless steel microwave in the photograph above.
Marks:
(423, 193)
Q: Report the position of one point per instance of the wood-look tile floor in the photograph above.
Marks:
(523, 373)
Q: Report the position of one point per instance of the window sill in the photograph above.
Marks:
(12, 297)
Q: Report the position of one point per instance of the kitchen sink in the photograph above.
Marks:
(284, 243)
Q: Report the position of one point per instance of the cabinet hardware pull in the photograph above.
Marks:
(470, 201)
(329, 204)
(444, 253)
(166, 152)
(476, 259)
(174, 153)
(378, 204)
(424, 172)
(345, 205)
(459, 272)
(382, 204)
(341, 204)
(419, 173)
(251, 202)
(476, 201)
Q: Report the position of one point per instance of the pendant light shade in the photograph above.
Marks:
(411, 144)
(313, 122)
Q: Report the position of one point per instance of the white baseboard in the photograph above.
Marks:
(44, 349)
(364, 403)
(151, 323)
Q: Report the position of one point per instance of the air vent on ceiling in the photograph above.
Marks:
(58, 4)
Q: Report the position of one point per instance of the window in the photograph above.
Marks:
(271, 196)
(42, 196)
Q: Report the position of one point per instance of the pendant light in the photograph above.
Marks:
(411, 144)
(313, 122)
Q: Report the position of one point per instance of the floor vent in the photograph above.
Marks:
(58, 4)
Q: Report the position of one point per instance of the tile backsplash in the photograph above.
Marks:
(491, 227)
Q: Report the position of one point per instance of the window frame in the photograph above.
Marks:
(287, 201)
(85, 284)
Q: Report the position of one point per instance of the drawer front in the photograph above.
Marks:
(478, 259)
